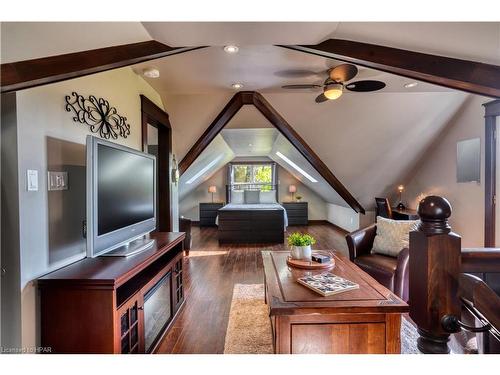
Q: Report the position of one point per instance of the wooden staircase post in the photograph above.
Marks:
(434, 268)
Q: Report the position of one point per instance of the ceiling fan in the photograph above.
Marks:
(336, 82)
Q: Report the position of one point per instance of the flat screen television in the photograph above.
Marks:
(121, 204)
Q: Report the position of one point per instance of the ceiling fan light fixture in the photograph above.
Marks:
(333, 91)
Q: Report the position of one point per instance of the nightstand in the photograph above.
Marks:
(296, 212)
(208, 213)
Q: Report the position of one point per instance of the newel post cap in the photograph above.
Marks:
(434, 212)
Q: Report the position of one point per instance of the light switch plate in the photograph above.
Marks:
(57, 181)
(32, 179)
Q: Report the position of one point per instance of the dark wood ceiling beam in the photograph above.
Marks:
(227, 113)
(30, 73)
(273, 116)
(464, 75)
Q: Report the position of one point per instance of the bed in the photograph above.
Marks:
(253, 222)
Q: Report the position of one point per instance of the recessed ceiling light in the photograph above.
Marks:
(237, 86)
(151, 72)
(250, 145)
(410, 85)
(231, 49)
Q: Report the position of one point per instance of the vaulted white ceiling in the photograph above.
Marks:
(467, 40)
(263, 68)
(478, 41)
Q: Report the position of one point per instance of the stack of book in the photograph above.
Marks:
(327, 284)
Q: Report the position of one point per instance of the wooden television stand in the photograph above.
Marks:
(97, 305)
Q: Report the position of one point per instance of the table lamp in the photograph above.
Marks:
(212, 189)
(401, 206)
(292, 189)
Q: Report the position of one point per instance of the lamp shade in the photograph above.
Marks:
(212, 189)
(292, 189)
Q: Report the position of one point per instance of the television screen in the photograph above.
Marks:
(125, 189)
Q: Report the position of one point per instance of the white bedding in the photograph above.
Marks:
(256, 206)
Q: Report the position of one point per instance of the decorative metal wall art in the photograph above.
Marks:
(98, 115)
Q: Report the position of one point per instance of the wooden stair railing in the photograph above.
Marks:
(438, 287)
(483, 304)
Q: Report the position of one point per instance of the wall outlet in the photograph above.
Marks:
(32, 179)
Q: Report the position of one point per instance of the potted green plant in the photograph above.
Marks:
(300, 245)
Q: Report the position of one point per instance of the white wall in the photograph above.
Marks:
(189, 205)
(347, 219)
(436, 174)
(40, 114)
(316, 205)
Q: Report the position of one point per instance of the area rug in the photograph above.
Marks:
(249, 328)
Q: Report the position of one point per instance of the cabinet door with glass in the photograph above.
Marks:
(131, 323)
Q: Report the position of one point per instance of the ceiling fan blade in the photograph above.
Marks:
(321, 98)
(296, 73)
(343, 72)
(365, 86)
(304, 86)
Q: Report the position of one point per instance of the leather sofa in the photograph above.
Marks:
(391, 272)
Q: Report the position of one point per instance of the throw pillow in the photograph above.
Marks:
(392, 235)
(251, 196)
(237, 197)
(267, 196)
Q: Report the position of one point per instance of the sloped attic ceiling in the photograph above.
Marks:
(369, 141)
(214, 157)
(254, 144)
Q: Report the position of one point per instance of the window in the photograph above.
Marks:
(252, 176)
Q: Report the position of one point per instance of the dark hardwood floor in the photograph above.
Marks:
(210, 274)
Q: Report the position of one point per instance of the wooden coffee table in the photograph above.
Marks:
(366, 320)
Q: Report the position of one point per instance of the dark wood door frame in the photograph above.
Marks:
(157, 117)
(492, 110)
(30, 73)
(256, 99)
(464, 75)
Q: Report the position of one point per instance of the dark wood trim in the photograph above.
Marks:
(267, 110)
(30, 73)
(492, 110)
(464, 75)
(483, 260)
(154, 115)
(227, 113)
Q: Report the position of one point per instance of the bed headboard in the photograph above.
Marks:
(258, 187)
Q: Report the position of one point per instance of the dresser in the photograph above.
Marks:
(296, 212)
(208, 213)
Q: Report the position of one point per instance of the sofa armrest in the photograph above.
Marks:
(401, 278)
(360, 242)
